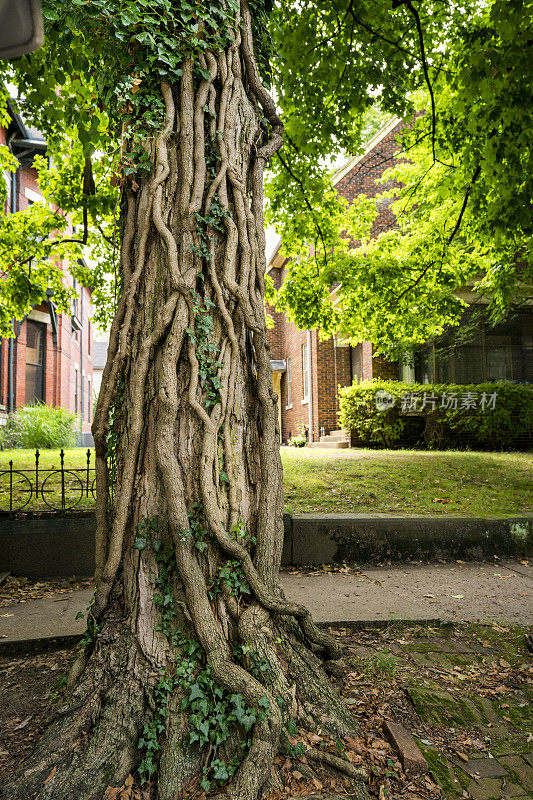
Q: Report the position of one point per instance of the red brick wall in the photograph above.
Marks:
(383, 368)
(362, 177)
(331, 365)
(286, 342)
(20, 366)
(3, 373)
(60, 361)
(71, 359)
(275, 334)
(26, 179)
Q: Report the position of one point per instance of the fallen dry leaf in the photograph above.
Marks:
(23, 723)
(50, 776)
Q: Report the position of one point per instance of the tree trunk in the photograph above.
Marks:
(194, 662)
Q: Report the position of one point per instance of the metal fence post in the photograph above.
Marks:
(62, 480)
(88, 462)
(37, 455)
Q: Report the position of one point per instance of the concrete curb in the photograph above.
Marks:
(53, 547)
(49, 643)
(25, 646)
(359, 624)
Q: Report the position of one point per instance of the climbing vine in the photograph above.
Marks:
(212, 709)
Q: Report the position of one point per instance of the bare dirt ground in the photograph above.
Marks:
(30, 686)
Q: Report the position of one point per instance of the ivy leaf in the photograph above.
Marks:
(196, 693)
(140, 543)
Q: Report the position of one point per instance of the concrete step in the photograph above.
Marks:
(341, 445)
(330, 437)
(339, 433)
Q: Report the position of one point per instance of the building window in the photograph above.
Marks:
(357, 365)
(490, 353)
(288, 378)
(88, 399)
(498, 358)
(75, 299)
(82, 403)
(305, 374)
(75, 391)
(35, 348)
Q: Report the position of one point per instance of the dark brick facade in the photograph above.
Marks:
(333, 364)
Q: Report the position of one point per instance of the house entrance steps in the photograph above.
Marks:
(334, 440)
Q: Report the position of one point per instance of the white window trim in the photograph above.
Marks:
(305, 371)
(288, 362)
(29, 194)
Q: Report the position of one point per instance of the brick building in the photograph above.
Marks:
(307, 371)
(49, 359)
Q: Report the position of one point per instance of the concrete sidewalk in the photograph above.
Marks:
(449, 592)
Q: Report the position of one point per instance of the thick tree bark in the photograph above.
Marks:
(188, 552)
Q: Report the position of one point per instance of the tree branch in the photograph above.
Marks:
(418, 24)
(308, 204)
(475, 176)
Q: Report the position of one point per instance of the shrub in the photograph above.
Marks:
(300, 440)
(39, 426)
(488, 416)
(359, 413)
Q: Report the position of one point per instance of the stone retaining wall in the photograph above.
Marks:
(373, 538)
(51, 547)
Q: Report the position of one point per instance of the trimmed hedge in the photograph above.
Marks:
(418, 415)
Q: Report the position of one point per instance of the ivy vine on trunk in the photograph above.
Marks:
(195, 668)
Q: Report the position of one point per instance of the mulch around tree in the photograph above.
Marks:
(463, 692)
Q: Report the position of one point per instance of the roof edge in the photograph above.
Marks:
(354, 160)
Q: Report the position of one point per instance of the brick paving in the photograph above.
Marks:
(473, 699)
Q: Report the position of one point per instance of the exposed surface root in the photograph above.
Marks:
(91, 741)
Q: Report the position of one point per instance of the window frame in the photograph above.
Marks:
(288, 378)
(41, 365)
(305, 373)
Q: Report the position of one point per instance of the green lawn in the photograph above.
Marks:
(382, 481)
(407, 481)
(76, 458)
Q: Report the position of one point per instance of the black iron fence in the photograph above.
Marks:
(50, 489)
